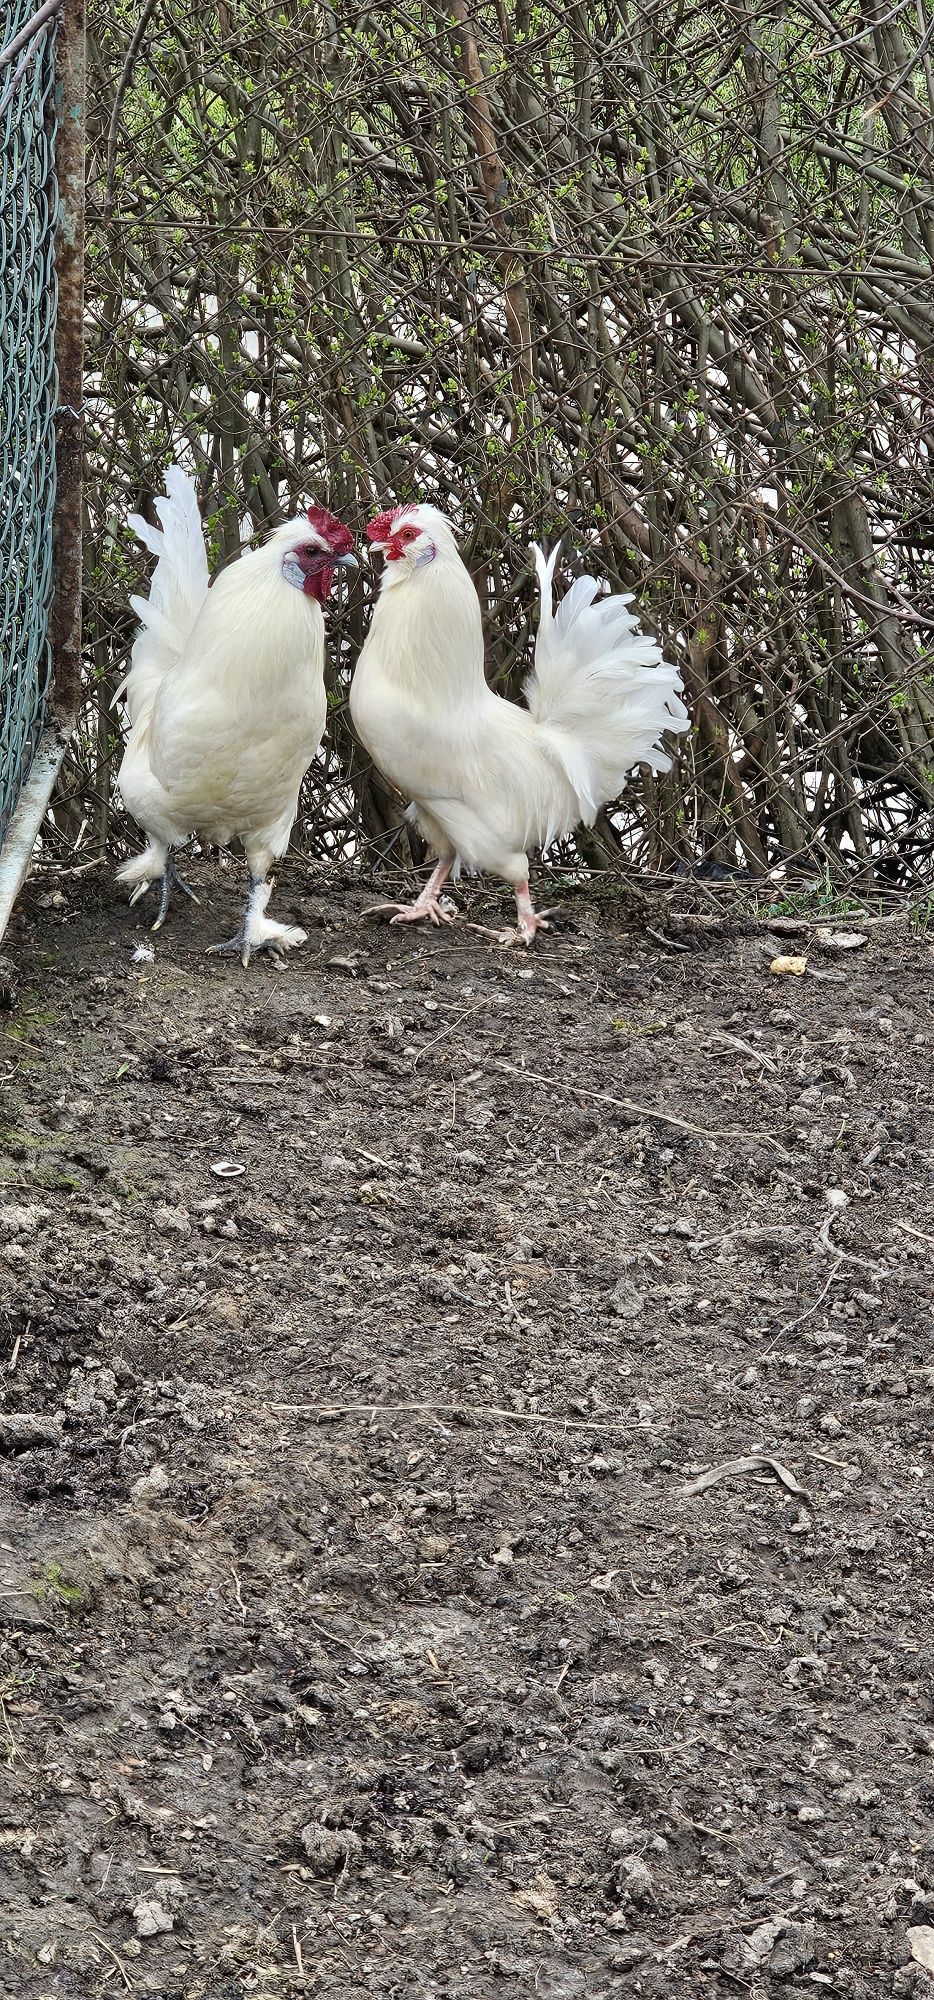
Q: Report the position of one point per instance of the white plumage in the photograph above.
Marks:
(225, 697)
(490, 780)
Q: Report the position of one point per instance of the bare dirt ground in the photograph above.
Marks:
(357, 1633)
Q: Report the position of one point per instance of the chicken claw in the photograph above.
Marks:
(170, 879)
(427, 904)
(412, 913)
(530, 921)
(259, 932)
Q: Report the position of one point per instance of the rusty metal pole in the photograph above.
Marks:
(70, 108)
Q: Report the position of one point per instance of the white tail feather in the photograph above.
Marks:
(600, 687)
(157, 621)
(177, 590)
(145, 533)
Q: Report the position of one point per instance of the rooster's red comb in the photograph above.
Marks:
(381, 528)
(332, 531)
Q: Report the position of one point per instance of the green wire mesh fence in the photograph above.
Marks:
(28, 212)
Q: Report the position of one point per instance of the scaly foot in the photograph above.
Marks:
(525, 931)
(437, 910)
(259, 932)
(529, 920)
(171, 879)
(428, 904)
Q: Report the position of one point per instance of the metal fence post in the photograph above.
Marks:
(44, 628)
(65, 622)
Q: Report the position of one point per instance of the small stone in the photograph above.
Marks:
(22, 1218)
(433, 1548)
(226, 1309)
(744, 1954)
(329, 1849)
(635, 1881)
(793, 1950)
(81, 1398)
(858, 1793)
(625, 1957)
(920, 1942)
(479, 1751)
(627, 1302)
(810, 1815)
(832, 940)
(21, 1430)
(172, 1221)
(151, 1486)
(151, 1917)
(9, 985)
(105, 1384)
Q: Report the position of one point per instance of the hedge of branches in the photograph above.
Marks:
(651, 276)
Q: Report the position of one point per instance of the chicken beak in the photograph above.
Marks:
(346, 562)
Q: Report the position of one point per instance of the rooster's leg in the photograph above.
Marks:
(257, 931)
(171, 879)
(428, 904)
(530, 921)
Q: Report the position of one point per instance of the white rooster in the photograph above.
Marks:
(225, 698)
(490, 780)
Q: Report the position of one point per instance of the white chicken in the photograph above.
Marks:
(490, 780)
(225, 699)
